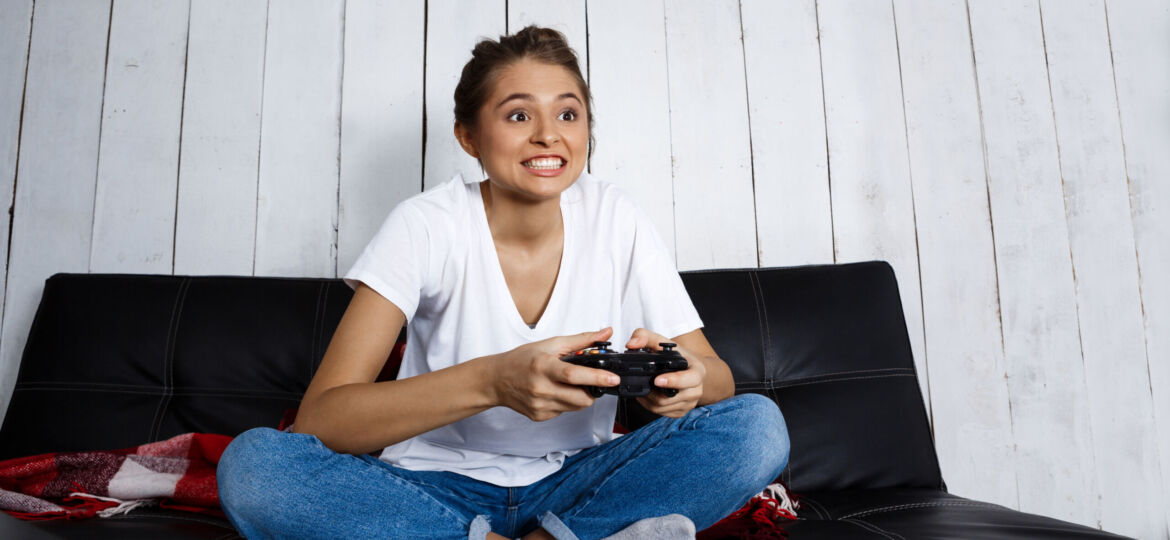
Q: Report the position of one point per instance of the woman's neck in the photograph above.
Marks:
(518, 222)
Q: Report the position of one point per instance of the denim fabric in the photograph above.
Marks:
(704, 465)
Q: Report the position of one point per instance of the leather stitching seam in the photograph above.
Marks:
(917, 505)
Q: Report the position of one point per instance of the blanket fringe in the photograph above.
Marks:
(122, 506)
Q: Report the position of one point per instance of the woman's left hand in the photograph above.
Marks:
(688, 382)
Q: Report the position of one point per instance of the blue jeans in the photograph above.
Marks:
(704, 465)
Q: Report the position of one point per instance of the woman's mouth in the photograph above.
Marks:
(545, 164)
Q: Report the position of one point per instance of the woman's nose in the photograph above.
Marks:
(545, 133)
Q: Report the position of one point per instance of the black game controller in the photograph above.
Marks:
(636, 367)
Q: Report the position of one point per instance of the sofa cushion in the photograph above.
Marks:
(142, 523)
(923, 513)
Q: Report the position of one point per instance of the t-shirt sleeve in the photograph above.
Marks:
(655, 297)
(394, 261)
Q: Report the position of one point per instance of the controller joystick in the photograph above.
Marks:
(636, 367)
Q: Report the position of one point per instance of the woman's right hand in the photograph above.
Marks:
(533, 380)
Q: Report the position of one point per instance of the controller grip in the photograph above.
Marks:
(669, 392)
(595, 391)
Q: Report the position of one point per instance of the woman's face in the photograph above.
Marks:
(533, 132)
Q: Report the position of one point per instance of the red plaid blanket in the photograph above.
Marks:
(177, 473)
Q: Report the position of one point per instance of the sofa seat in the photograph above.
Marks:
(139, 524)
(922, 513)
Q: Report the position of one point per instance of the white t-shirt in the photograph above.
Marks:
(435, 259)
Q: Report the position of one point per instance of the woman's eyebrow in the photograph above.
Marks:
(530, 97)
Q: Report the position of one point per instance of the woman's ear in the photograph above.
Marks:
(463, 135)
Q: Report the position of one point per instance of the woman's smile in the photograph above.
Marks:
(546, 165)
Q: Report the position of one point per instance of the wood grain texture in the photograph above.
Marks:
(794, 220)
(15, 24)
(296, 210)
(1046, 377)
(138, 163)
(1140, 45)
(960, 299)
(710, 137)
(1105, 270)
(53, 207)
(565, 16)
(632, 101)
(220, 152)
(453, 29)
(873, 206)
(381, 118)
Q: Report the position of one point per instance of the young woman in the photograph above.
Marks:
(486, 432)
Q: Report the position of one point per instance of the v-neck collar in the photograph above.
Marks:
(492, 258)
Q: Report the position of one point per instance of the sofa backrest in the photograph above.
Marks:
(116, 360)
(829, 345)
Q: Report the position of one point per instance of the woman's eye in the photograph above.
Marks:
(569, 116)
(518, 116)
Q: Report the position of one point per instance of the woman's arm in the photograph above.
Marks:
(351, 414)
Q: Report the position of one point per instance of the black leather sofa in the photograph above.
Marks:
(147, 357)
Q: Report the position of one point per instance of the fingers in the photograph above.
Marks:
(645, 338)
(575, 375)
(583, 340)
(674, 407)
(687, 378)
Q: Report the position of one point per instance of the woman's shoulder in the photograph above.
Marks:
(440, 205)
(602, 194)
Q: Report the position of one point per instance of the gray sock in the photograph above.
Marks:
(668, 527)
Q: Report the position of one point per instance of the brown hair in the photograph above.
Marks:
(489, 57)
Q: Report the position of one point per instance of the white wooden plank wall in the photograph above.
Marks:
(381, 118)
(1007, 157)
(1042, 352)
(1140, 47)
(300, 136)
(215, 215)
(134, 207)
(15, 24)
(789, 151)
(632, 101)
(1100, 227)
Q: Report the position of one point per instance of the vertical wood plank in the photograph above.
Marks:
(15, 24)
(1104, 267)
(632, 103)
(972, 423)
(873, 208)
(791, 169)
(566, 16)
(381, 117)
(1046, 378)
(296, 210)
(134, 211)
(1140, 40)
(453, 29)
(53, 209)
(216, 215)
(711, 141)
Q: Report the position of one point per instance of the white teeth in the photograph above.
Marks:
(544, 163)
